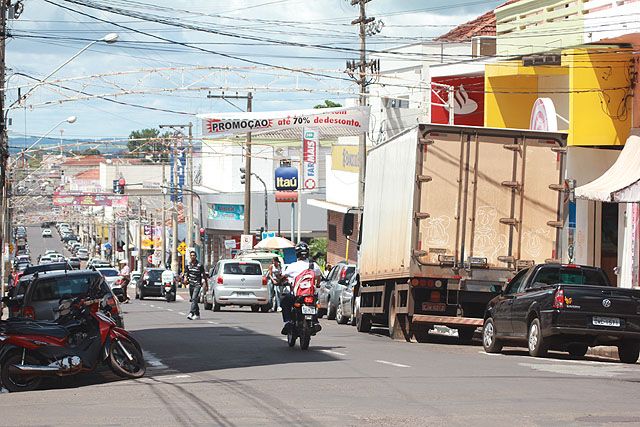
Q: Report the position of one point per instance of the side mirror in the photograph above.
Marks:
(347, 224)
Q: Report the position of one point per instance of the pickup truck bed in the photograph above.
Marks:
(567, 308)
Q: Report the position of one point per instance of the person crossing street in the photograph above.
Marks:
(196, 277)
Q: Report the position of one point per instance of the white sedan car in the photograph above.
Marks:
(46, 232)
(111, 276)
(237, 282)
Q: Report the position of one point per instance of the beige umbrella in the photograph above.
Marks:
(275, 243)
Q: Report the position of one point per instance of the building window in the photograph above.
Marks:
(333, 234)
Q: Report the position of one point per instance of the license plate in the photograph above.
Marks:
(306, 309)
(433, 306)
(606, 321)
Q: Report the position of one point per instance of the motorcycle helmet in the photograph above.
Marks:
(302, 250)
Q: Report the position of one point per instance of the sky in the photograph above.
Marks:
(169, 54)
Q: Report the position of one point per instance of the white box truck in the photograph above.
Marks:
(450, 214)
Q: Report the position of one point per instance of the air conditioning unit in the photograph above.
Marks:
(483, 46)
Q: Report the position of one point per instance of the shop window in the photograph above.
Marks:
(333, 234)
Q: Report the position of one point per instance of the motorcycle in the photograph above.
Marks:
(78, 341)
(168, 286)
(304, 311)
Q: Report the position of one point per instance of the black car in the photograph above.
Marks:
(564, 307)
(38, 296)
(54, 266)
(150, 284)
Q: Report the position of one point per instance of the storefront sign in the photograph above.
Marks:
(468, 100)
(310, 143)
(345, 158)
(543, 115)
(222, 212)
(330, 122)
(152, 237)
(230, 244)
(286, 178)
(286, 196)
(90, 200)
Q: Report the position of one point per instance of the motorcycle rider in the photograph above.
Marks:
(292, 271)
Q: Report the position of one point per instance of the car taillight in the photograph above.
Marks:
(264, 280)
(558, 299)
(28, 311)
(308, 299)
(220, 280)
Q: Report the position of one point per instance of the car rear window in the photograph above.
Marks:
(571, 276)
(243, 269)
(63, 287)
(108, 272)
(154, 275)
(350, 271)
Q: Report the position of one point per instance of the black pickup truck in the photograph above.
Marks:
(563, 307)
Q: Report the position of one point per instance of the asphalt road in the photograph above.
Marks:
(233, 368)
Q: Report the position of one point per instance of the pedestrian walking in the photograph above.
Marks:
(195, 276)
(125, 273)
(275, 276)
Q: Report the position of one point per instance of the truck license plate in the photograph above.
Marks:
(606, 321)
(306, 309)
(433, 306)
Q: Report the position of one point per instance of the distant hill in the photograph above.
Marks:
(17, 144)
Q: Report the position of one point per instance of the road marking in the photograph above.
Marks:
(169, 309)
(181, 313)
(153, 306)
(213, 323)
(153, 361)
(337, 353)
(397, 365)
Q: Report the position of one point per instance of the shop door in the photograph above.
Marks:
(609, 246)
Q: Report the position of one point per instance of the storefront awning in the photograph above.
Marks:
(621, 183)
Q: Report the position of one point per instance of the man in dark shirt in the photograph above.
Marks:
(195, 276)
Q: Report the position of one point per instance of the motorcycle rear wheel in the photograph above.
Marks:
(12, 380)
(120, 363)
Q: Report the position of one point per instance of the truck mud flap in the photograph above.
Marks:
(447, 320)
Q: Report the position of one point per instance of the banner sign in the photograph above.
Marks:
(152, 237)
(310, 143)
(345, 158)
(90, 200)
(222, 212)
(178, 161)
(330, 122)
(468, 100)
(286, 178)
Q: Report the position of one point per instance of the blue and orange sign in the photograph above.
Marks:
(286, 178)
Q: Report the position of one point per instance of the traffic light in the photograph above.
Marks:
(243, 176)
(116, 187)
(121, 184)
(202, 231)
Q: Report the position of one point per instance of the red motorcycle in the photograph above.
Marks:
(304, 313)
(81, 339)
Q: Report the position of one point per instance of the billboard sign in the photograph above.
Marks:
(310, 143)
(90, 200)
(286, 178)
(225, 212)
(468, 100)
(178, 162)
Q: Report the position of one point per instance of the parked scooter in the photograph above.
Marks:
(168, 285)
(304, 313)
(81, 339)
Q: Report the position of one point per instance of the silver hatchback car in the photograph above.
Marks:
(237, 282)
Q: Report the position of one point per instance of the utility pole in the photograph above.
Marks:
(247, 159)
(190, 198)
(164, 218)
(5, 230)
(362, 66)
(140, 233)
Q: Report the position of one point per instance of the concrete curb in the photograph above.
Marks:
(604, 351)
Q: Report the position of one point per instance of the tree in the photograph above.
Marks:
(328, 104)
(318, 250)
(148, 143)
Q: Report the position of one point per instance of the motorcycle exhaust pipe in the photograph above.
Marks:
(38, 368)
(66, 365)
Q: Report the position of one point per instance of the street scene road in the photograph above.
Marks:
(234, 368)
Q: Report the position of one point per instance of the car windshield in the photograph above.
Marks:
(242, 269)
(108, 272)
(571, 276)
(57, 288)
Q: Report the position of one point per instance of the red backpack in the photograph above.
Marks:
(305, 282)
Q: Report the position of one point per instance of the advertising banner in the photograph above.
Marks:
(345, 158)
(152, 237)
(286, 178)
(178, 162)
(90, 200)
(469, 100)
(223, 212)
(310, 143)
(330, 122)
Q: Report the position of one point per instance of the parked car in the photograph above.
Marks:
(98, 263)
(348, 302)
(150, 285)
(241, 283)
(332, 286)
(74, 262)
(134, 277)
(47, 233)
(45, 259)
(564, 307)
(83, 254)
(38, 296)
(110, 274)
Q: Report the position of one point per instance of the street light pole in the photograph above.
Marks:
(266, 203)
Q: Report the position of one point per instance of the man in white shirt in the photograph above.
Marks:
(125, 273)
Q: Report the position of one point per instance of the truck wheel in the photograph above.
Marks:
(629, 351)
(465, 335)
(537, 345)
(577, 349)
(489, 341)
(398, 323)
(363, 322)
